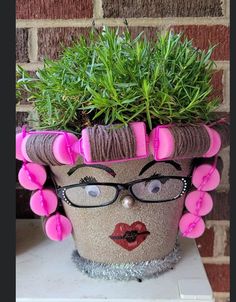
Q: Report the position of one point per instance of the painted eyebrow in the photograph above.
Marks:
(102, 167)
(153, 162)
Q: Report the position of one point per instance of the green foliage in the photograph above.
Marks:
(114, 78)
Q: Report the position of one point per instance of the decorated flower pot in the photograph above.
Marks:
(132, 175)
(124, 212)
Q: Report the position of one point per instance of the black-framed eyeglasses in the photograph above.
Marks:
(155, 189)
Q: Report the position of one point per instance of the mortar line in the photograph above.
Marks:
(32, 66)
(216, 260)
(24, 108)
(145, 22)
(221, 294)
(219, 240)
(97, 9)
(211, 223)
(33, 44)
(223, 7)
(222, 65)
(226, 8)
(226, 88)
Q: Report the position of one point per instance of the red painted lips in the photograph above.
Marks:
(129, 236)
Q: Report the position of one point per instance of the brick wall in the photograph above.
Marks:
(41, 27)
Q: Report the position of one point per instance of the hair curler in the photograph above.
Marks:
(206, 175)
(19, 138)
(43, 202)
(57, 227)
(32, 176)
(191, 226)
(61, 149)
(215, 142)
(83, 146)
(199, 203)
(163, 144)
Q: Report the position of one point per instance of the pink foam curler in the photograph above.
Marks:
(19, 140)
(58, 227)
(191, 226)
(43, 202)
(61, 149)
(215, 142)
(139, 129)
(161, 143)
(206, 177)
(199, 203)
(23, 148)
(32, 176)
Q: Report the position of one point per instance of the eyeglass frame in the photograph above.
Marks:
(61, 191)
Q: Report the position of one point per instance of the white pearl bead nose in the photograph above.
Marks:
(127, 202)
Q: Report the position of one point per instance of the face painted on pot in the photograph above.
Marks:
(128, 229)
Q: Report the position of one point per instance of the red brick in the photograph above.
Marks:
(219, 276)
(54, 9)
(50, 40)
(22, 45)
(21, 118)
(227, 243)
(221, 207)
(161, 8)
(148, 32)
(217, 83)
(203, 36)
(205, 243)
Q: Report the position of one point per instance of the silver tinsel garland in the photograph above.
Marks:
(128, 271)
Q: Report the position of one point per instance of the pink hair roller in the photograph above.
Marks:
(23, 148)
(60, 147)
(43, 202)
(139, 129)
(199, 203)
(58, 227)
(32, 176)
(215, 142)
(19, 139)
(162, 142)
(206, 177)
(191, 226)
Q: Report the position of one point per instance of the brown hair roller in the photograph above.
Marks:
(112, 142)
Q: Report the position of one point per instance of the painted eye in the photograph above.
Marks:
(92, 190)
(154, 186)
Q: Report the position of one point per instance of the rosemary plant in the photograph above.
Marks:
(112, 78)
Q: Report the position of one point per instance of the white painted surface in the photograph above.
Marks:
(45, 273)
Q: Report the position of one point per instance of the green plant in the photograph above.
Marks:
(114, 78)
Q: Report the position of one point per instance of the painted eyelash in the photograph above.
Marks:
(87, 179)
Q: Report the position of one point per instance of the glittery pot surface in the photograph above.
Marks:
(92, 227)
(127, 271)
